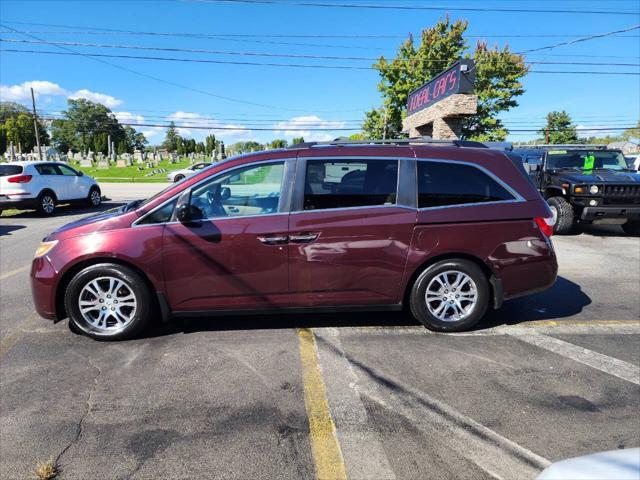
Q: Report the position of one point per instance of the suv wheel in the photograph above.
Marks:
(631, 228)
(450, 296)
(562, 213)
(94, 198)
(178, 178)
(46, 203)
(108, 302)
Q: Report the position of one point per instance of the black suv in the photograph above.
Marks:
(585, 184)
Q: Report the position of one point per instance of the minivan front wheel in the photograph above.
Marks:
(450, 295)
(108, 302)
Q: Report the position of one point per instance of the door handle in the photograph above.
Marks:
(274, 240)
(303, 237)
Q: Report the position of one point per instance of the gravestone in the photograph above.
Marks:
(85, 162)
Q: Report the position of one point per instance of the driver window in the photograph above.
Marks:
(252, 190)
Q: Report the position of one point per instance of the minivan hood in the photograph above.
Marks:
(601, 176)
(108, 220)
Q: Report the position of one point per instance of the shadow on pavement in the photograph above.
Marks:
(7, 229)
(564, 299)
(599, 231)
(65, 211)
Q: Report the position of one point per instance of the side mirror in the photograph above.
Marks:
(183, 213)
(80, 174)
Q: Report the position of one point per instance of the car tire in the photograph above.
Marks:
(631, 228)
(46, 203)
(95, 197)
(563, 212)
(116, 302)
(177, 178)
(458, 278)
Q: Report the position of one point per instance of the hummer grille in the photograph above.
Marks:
(622, 194)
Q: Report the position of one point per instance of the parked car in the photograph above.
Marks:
(43, 185)
(621, 464)
(446, 232)
(181, 174)
(586, 184)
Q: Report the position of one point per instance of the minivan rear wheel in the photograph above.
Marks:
(450, 295)
(108, 302)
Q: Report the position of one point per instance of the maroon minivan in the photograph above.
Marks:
(445, 231)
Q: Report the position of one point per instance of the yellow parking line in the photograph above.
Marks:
(14, 272)
(325, 447)
(576, 323)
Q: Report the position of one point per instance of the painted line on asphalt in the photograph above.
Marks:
(498, 456)
(4, 276)
(362, 449)
(327, 455)
(604, 363)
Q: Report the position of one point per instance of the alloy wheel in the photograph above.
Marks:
(107, 304)
(95, 198)
(450, 296)
(48, 204)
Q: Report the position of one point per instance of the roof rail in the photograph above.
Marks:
(391, 141)
(567, 146)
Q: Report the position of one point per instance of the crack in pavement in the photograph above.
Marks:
(89, 407)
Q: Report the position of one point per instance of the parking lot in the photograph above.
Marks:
(549, 376)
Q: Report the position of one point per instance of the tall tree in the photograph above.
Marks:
(210, 144)
(86, 126)
(559, 128)
(498, 74)
(297, 140)
(171, 138)
(134, 140)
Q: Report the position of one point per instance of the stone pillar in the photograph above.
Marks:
(442, 120)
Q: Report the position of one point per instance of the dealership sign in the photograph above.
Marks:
(457, 79)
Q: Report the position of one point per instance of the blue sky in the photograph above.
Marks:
(287, 99)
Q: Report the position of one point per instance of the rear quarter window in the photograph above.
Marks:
(445, 184)
(6, 170)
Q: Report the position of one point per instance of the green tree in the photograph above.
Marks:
(297, 140)
(278, 143)
(86, 126)
(244, 147)
(498, 74)
(210, 144)
(171, 138)
(559, 128)
(16, 125)
(134, 140)
(632, 133)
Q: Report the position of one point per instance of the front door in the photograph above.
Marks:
(232, 254)
(349, 238)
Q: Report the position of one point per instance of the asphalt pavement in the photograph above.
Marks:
(365, 395)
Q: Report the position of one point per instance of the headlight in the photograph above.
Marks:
(593, 189)
(45, 247)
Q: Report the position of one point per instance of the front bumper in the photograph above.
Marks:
(590, 214)
(43, 287)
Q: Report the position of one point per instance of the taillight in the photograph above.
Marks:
(19, 179)
(545, 224)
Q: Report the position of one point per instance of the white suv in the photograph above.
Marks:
(178, 175)
(42, 185)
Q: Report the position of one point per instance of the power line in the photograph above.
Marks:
(417, 8)
(582, 39)
(277, 55)
(70, 51)
(281, 65)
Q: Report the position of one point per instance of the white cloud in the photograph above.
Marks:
(129, 117)
(220, 130)
(304, 125)
(594, 131)
(22, 92)
(103, 98)
(44, 89)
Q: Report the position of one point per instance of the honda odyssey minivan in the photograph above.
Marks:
(445, 231)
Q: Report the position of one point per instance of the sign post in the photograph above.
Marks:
(436, 108)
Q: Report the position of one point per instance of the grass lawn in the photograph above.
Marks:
(133, 174)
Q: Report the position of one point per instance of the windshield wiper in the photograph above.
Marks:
(131, 205)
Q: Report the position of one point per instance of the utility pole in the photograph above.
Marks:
(35, 125)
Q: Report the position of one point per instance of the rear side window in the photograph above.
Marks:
(47, 169)
(443, 184)
(6, 170)
(350, 183)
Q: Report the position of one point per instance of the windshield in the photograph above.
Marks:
(586, 160)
